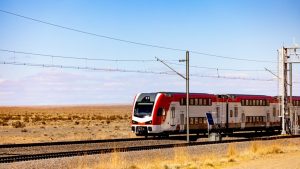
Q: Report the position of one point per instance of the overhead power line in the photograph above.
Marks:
(129, 41)
(80, 68)
(121, 60)
(77, 58)
(216, 68)
(121, 70)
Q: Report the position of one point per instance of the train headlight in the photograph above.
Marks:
(134, 122)
(149, 122)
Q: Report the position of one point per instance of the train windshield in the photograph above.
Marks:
(143, 109)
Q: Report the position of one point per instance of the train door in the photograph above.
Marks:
(218, 115)
(172, 117)
(243, 120)
(182, 121)
(268, 119)
(236, 115)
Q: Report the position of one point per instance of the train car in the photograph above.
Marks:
(164, 113)
(296, 107)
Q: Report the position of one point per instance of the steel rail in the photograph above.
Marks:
(70, 142)
(18, 158)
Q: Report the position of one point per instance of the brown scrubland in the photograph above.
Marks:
(62, 123)
(259, 154)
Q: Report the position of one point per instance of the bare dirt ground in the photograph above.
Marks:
(62, 123)
(275, 161)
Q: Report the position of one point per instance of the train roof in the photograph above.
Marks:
(248, 96)
(183, 93)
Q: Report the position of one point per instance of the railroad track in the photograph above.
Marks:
(27, 157)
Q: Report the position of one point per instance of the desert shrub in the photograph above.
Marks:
(75, 117)
(24, 130)
(3, 123)
(16, 117)
(18, 124)
(76, 122)
(26, 119)
(107, 121)
(36, 118)
(43, 123)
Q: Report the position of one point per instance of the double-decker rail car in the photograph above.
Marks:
(164, 113)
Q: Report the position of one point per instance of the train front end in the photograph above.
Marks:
(145, 114)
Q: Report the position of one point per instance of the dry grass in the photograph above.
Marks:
(42, 124)
(182, 159)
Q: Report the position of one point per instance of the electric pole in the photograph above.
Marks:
(287, 57)
(187, 81)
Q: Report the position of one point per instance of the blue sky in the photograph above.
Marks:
(241, 29)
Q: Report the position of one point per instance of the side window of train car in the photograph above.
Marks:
(204, 101)
(196, 102)
(231, 113)
(173, 112)
(196, 120)
(247, 119)
(183, 101)
(274, 111)
(218, 112)
(192, 120)
(192, 102)
(209, 102)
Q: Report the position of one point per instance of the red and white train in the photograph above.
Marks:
(164, 113)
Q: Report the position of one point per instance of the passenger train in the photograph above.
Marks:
(164, 113)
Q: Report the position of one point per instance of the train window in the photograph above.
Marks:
(209, 102)
(191, 102)
(247, 119)
(204, 120)
(231, 113)
(200, 102)
(218, 112)
(196, 102)
(257, 103)
(264, 102)
(192, 120)
(250, 102)
(204, 102)
(274, 111)
(267, 103)
(183, 101)
(196, 120)
(173, 112)
(235, 111)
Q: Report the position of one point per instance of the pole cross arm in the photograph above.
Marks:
(171, 68)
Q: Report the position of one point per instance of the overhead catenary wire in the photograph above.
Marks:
(121, 60)
(78, 58)
(124, 70)
(217, 68)
(130, 41)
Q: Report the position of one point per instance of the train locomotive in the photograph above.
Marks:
(164, 113)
